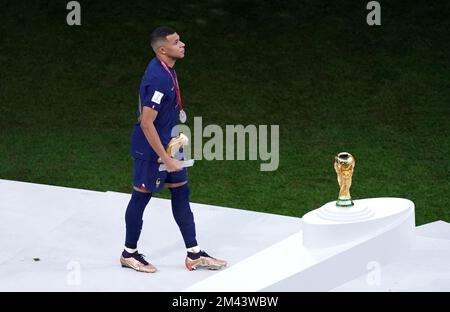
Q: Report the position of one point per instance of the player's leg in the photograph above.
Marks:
(134, 216)
(182, 212)
(180, 190)
(143, 176)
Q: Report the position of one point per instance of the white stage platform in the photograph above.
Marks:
(64, 239)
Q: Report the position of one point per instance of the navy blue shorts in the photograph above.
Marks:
(147, 175)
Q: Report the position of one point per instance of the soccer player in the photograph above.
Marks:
(160, 108)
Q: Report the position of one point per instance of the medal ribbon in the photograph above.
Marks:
(175, 84)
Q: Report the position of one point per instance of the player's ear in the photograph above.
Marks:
(162, 50)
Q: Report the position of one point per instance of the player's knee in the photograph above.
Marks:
(180, 193)
(141, 189)
(176, 185)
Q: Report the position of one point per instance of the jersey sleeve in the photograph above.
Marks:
(152, 93)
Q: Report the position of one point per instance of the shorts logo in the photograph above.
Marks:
(157, 96)
(158, 182)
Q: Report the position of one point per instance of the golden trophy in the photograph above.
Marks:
(176, 143)
(173, 149)
(344, 163)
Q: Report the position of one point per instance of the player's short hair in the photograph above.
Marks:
(158, 36)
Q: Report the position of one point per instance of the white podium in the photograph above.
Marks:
(363, 248)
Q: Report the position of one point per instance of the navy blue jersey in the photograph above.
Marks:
(157, 91)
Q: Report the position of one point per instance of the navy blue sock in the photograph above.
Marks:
(183, 214)
(133, 217)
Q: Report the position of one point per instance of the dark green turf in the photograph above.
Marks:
(68, 96)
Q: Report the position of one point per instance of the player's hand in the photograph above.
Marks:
(173, 164)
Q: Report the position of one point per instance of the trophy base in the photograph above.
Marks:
(358, 212)
(330, 226)
(344, 202)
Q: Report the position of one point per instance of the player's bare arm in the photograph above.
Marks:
(148, 117)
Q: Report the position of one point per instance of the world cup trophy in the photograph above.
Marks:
(173, 149)
(344, 163)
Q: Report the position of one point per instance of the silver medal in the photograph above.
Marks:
(183, 116)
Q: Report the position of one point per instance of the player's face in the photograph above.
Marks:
(174, 46)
